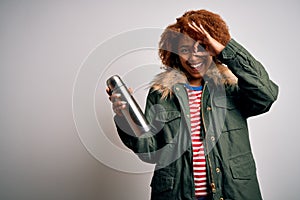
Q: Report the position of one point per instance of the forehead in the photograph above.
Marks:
(186, 40)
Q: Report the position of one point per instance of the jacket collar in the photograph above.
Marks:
(164, 82)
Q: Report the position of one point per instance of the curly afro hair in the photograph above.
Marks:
(211, 22)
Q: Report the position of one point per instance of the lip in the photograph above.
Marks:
(196, 67)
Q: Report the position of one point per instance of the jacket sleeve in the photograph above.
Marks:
(257, 91)
(146, 145)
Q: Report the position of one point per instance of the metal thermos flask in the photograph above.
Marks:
(132, 112)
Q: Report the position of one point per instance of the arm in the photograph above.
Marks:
(146, 145)
(257, 91)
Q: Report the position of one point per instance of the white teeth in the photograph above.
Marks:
(196, 66)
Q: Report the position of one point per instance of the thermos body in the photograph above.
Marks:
(132, 112)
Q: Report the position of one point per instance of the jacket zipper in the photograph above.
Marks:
(212, 184)
(188, 113)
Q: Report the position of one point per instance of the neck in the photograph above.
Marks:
(195, 82)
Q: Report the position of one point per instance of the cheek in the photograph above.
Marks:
(209, 61)
(182, 60)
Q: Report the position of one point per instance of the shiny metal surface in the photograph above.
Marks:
(132, 112)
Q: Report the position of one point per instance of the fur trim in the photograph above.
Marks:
(164, 82)
(227, 76)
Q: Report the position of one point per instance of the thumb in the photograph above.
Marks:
(130, 90)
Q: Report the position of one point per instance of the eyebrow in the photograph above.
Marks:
(186, 46)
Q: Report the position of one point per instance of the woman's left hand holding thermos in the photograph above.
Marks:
(117, 104)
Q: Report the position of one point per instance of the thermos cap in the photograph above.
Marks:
(114, 82)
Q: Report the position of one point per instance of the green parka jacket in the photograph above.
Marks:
(231, 171)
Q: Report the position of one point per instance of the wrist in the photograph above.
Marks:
(219, 48)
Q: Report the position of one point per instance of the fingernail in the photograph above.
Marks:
(123, 102)
(118, 95)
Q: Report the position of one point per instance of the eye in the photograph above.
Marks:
(184, 51)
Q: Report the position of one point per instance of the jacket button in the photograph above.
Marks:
(218, 170)
(212, 138)
(221, 198)
(213, 187)
(188, 116)
(209, 108)
(177, 89)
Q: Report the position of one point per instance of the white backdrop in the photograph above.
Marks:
(48, 146)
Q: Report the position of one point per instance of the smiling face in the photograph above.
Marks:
(194, 59)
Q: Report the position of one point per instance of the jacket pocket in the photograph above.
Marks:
(162, 184)
(167, 116)
(169, 122)
(242, 166)
(224, 102)
(228, 113)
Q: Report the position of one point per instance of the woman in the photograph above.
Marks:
(198, 110)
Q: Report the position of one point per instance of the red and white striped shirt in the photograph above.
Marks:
(199, 162)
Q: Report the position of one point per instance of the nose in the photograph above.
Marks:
(193, 58)
(198, 54)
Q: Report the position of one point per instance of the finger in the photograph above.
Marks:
(192, 26)
(200, 29)
(203, 30)
(115, 97)
(118, 106)
(196, 28)
(117, 111)
(108, 91)
(196, 46)
(130, 90)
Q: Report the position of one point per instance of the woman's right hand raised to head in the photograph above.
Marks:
(213, 46)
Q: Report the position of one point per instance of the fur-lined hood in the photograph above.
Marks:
(164, 82)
